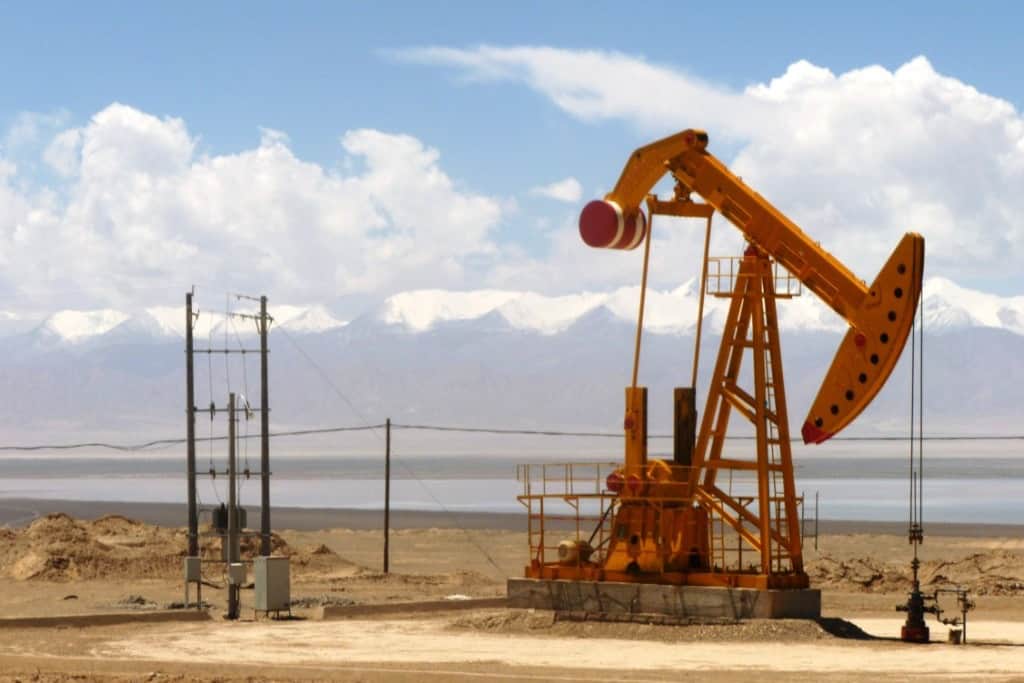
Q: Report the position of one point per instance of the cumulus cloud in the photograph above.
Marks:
(140, 212)
(567, 190)
(28, 127)
(142, 216)
(64, 152)
(856, 158)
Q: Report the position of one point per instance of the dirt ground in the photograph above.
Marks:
(62, 566)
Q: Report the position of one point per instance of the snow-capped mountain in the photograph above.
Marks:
(77, 326)
(305, 320)
(72, 328)
(495, 358)
(947, 306)
(666, 312)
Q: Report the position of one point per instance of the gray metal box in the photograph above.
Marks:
(272, 584)
(236, 573)
(193, 570)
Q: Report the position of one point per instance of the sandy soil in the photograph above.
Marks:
(114, 564)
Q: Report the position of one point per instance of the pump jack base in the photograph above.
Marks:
(599, 598)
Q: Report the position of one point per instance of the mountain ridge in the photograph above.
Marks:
(947, 306)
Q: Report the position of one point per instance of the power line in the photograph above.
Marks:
(618, 435)
(329, 382)
(153, 445)
(422, 484)
(163, 443)
(521, 432)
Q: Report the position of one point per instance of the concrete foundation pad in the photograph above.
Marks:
(682, 602)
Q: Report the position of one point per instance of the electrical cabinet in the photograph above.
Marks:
(272, 584)
(193, 570)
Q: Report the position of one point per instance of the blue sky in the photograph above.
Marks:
(314, 71)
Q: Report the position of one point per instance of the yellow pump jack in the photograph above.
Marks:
(674, 521)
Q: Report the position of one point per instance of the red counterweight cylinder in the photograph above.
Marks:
(603, 225)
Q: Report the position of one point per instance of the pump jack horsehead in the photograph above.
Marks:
(676, 521)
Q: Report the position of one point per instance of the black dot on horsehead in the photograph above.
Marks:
(849, 394)
(834, 409)
(862, 378)
(901, 269)
(818, 422)
(892, 316)
(884, 338)
(898, 293)
(874, 359)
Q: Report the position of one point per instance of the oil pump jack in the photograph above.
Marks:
(677, 521)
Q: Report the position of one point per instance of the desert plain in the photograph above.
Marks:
(94, 591)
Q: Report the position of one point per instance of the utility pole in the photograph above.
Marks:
(232, 536)
(190, 417)
(264, 434)
(387, 492)
(803, 517)
(816, 520)
(234, 521)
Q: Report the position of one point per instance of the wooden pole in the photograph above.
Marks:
(387, 492)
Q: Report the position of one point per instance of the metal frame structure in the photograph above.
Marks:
(773, 530)
(571, 520)
(230, 536)
(671, 521)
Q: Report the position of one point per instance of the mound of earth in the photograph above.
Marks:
(995, 572)
(525, 621)
(859, 574)
(58, 547)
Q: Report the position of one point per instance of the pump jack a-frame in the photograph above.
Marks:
(673, 521)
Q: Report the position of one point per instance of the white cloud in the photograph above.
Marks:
(64, 152)
(142, 216)
(567, 190)
(856, 158)
(594, 85)
(27, 128)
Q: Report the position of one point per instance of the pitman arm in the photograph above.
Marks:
(880, 316)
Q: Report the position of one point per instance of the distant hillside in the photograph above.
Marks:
(502, 359)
